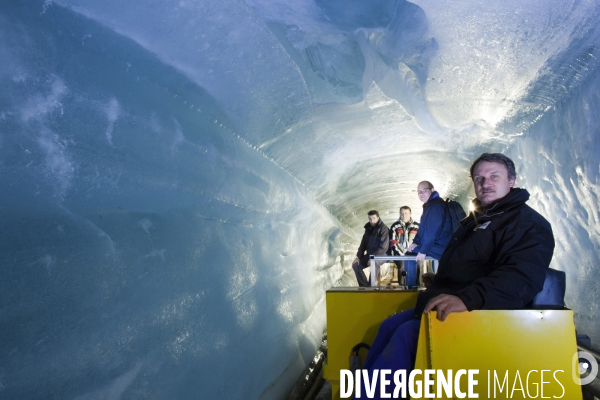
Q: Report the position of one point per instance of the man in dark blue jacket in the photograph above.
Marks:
(435, 227)
(497, 259)
(375, 242)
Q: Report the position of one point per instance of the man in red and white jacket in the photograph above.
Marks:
(402, 234)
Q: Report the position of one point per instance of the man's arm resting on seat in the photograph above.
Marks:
(445, 304)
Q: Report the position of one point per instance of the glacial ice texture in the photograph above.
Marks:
(181, 181)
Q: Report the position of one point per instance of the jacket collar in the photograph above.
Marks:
(514, 198)
(435, 197)
(368, 225)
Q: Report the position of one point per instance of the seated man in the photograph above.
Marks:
(497, 259)
(402, 234)
(375, 242)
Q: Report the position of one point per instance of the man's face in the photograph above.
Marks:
(405, 215)
(424, 192)
(373, 220)
(491, 182)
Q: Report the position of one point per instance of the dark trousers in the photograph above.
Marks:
(358, 267)
(394, 348)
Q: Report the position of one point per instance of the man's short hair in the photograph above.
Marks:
(497, 158)
(429, 184)
(373, 212)
(406, 208)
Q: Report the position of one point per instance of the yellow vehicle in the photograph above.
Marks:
(505, 346)
(518, 354)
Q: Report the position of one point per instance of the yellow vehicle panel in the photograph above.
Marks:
(353, 316)
(512, 346)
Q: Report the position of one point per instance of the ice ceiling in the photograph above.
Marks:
(182, 180)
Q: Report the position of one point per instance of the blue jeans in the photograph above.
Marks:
(410, 267)
(394, 348)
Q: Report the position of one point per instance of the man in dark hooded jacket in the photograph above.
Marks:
(375, 242)
(497, 259)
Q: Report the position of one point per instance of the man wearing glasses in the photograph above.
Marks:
(435, 229)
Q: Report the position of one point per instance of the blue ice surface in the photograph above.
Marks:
(181, 182)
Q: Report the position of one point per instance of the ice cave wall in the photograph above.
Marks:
(147, 249)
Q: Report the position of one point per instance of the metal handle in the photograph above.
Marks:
(372, 260)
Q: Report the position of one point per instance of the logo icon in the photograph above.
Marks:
(587, 366)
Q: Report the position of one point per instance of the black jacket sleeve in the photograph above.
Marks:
(384, 241)
(363, 245)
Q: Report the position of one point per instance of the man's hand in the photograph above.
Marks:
(412, 247)
(421, 257)
(445, 304)
(355, 261)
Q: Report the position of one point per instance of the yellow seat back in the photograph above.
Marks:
(510, 348)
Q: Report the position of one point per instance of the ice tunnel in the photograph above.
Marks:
(182, 180)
